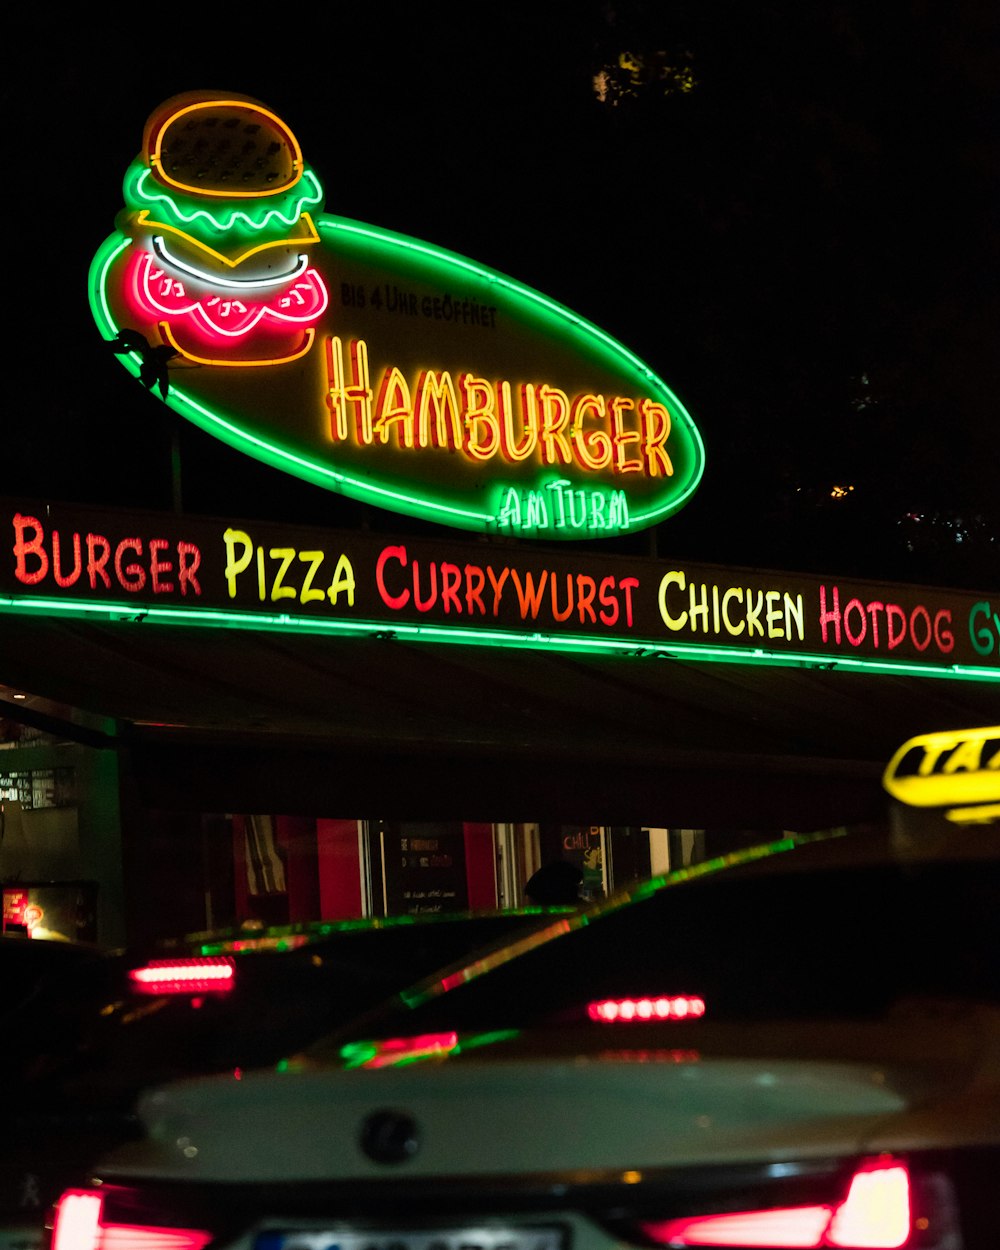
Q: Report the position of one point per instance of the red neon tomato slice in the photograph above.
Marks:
(224, 314)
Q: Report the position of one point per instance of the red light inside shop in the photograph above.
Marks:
(206, 974)
(630, 1010)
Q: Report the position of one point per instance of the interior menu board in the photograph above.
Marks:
(424, 869)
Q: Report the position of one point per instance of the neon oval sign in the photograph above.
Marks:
(368, 362)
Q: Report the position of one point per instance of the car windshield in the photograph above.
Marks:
(846, 926)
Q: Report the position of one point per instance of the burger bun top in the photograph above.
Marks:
(221, 144)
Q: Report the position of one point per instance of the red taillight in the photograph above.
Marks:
(78, 1222)
(206, 974)
(79, 1225)
(876, 1211)
(627, 1010)
(875, 1215)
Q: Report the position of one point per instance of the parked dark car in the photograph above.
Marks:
(39, 979)
(31, 968)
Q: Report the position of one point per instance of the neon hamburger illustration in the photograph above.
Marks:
(219, 207)
(368, 362)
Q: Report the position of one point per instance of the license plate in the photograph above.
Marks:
(506, 1237)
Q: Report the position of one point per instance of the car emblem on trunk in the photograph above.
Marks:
(389, 1136)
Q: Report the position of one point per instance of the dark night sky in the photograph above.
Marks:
(804, 245)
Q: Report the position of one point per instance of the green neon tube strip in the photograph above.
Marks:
(644, 648)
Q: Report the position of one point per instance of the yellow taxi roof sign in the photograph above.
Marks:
(941, 769)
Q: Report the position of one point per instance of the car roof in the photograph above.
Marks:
(906, 837)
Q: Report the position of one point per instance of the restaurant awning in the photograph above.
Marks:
(382, 727)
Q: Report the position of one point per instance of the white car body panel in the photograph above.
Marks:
(630, 1107)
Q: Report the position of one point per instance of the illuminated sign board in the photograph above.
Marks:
(938, 769)
(367, 362)
(152, 567)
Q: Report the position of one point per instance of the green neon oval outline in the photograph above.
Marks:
(426, 506)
